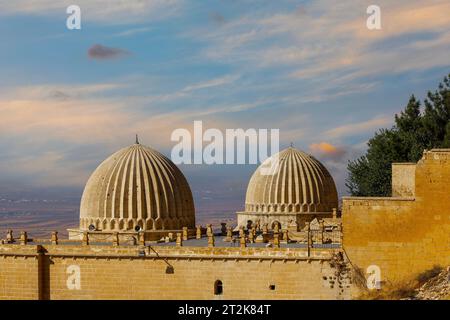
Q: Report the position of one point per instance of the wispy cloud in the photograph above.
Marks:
(114, 12)
(367, 126)
(212, 83)
(132, 32)
(101, 52)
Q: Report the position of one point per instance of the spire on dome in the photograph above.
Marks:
(137, 139)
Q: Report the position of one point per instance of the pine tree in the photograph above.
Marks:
(413, 132)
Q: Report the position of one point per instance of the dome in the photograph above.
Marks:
(301, 184)
(137, 186)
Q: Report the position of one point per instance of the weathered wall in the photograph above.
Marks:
(107, 272)
(403, 179)
(19, 273)
(403, 236)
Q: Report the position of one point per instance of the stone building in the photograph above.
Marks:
(136, 188)
(297, 190)
(138, 240)
(409, 232)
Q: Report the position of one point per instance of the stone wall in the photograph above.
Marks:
(403, 179)
(403, 236)
(134, 272)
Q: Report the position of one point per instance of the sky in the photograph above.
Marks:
(312, 69)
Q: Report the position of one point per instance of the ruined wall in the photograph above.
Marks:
(133, 272)
(403, 179)
(403, 236)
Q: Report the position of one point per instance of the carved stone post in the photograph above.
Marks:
(198, 234)
(276, 229)
(251, 237)
(209, 230)
(321, 231)
(179, 240)
(224, 228)
(285, 236)
(229, 237)
(85, 240)
(334, 213)
(185, 233)
(242, 241)
(54, 238)
(141, 236)
(241, 232)
(211, 240)
(276, 240)
(23, 237)
(9, 237)
(115, 239)
(265, 233)
(308, 237)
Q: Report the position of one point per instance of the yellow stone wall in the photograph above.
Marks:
(19, 273)
(403, 236)
(108, 272)
(403, 179)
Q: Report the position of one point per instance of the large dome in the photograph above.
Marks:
(137, 186)
(301, 184)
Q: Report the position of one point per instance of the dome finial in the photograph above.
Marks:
(137, 139)
(292, 145)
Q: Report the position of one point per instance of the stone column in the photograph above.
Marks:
(265, 233)
(23, 237)
(241, 232)
(285, 236)
(198, 234)
(339, 232)
(251, 237)
(229, 237)
(224, 228)
(209, 230)
(276, 240)
(276, 229)
(308, 237)
(115, 239)
(85, 240)
(211, 240)
(54, 238)
(334, 213)
(185, 233)
(141, 236)
(242, 241)
(179, 240)
(321, 231)
(9, 237)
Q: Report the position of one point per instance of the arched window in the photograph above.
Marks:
(218, 287)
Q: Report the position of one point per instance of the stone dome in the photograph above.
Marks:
(137, 186)
(301, 184)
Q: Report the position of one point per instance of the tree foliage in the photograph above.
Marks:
(415, 130)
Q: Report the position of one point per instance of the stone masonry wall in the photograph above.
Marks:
(134, 272)
(403, 236)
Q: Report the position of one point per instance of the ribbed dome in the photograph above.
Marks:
(300, 185)
(137, 186)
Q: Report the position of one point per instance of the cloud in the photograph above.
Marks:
(217, 18)
(111, 12)
(212, 83)
(326, 150)
(359, 127)
(131, 32)
(101, 52)
(286, 38)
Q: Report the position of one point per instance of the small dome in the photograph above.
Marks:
(301, 184)
(137, 186)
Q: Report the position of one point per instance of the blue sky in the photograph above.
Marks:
(69, 98)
